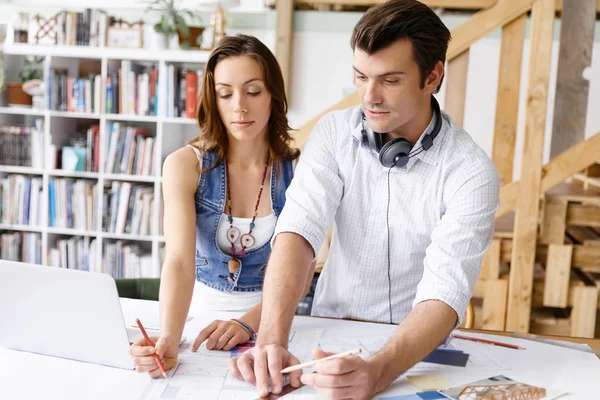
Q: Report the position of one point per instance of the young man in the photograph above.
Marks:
(410, 232)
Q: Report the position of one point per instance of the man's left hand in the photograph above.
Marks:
(348, 377)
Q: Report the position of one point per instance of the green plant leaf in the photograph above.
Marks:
(185, 30)
(173, 17)
(166, 26)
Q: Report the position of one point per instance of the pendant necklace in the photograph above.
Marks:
(233, 233)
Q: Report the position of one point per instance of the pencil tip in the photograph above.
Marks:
(164, 374)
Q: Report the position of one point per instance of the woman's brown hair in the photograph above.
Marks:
(213, 136)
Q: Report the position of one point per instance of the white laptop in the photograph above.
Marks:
(64, 313)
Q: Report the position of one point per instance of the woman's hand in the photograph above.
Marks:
(143, 355)
(221, 335)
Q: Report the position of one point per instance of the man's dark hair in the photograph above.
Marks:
(394, 20)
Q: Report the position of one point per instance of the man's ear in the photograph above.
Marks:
(434, 78)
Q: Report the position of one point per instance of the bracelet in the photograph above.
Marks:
(246, 327)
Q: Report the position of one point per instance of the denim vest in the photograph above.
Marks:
(211, 262)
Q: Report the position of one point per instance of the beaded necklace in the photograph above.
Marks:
(233, 233)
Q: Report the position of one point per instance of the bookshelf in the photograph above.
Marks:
(168, 133)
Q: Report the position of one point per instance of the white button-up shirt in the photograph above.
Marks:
(441, 219)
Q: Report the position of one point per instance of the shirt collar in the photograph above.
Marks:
(430, 156)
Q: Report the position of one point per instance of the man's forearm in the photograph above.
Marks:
(428, 324)
(284, 286)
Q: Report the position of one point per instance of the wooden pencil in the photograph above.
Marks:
(314, 362)
(149, 343)
(474, 339)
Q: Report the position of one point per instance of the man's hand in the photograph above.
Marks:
(349, 377)
(262, 362)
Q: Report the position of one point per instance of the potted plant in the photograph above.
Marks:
(173, 23)
(32, 70)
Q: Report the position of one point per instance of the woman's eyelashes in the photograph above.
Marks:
(228, 95)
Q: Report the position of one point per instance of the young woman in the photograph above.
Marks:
(223, 193)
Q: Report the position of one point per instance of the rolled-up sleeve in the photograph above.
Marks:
(316, 190)
(459, 241)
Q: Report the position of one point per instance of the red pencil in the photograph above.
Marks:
(474, 339)
(160, 364)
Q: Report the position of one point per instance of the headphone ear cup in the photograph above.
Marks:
(395, 153)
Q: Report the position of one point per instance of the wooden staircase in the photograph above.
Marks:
(567, 257)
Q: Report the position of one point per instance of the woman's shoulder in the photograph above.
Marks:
(182, 167)
(184, 157)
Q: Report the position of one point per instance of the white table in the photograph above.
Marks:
(31, 376)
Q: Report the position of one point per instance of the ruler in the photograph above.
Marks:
(559, 343)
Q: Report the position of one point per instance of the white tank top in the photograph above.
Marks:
(206, 298)
(263, 226)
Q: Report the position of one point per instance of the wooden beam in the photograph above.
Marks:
(283, 44)
(490, 266)
(549, 324)
(583, 315)
(558, 272)
(583, 215)
(587, 257)
(556, 171)
(485, 22)
(526, 219)
(590, 176)
(576, 159)
(494, 304)
(507, 102)
(575, 55)
(574, 192)
(588, 181)
(554, 221)
(537, 297)
(584, 234)
(456, 87)
(509, 194)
